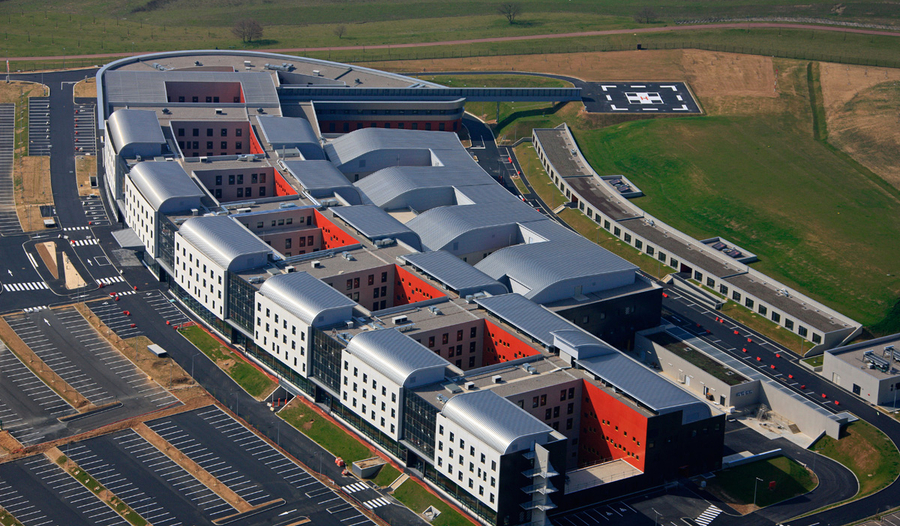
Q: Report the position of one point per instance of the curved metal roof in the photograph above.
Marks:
(438, 227)
(395, 355)
(374, 223)
(307, 297)
(128, 127)
(287, 130)
(538, 266)
(223, 240)
(162, 182)
(349, 146)
(455, 273)
(416, 186)
(495, 420)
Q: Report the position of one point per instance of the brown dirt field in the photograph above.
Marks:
(861, 114)
(31, 176)
(8, 443)
(12, 91)
(85, 167)
(708, 73)
(73, 278)
(31, 360)
(165, 371)
(211, 482)
(47, 251)
(85, 88)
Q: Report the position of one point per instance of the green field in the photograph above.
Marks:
(791, 479)
(417, 498)
(865, 451)
(386, 475)
(325, 433)
(247, 376)
(819, 221)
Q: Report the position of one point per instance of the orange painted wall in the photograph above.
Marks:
(409, 288)
(501, 346)
(281, 186)
(254, 142)
(610, 429)
(332, 236)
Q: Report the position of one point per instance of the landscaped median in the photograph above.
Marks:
(865, 451)
(412, 494)
(6, 518)
(254, 381)
(89, 482)
(324, 432)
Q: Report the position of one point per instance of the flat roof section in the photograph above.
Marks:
(559, 150)
(855, 354)
(374, 223)
(148, 86)
(790, 306)
(592, 191)
(675, 246)
(455, 273)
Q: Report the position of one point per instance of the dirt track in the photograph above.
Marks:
(736, 25)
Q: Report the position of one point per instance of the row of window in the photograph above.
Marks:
(238, 178)
(238, 132)
(195, 145)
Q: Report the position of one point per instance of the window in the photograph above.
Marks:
(384, 277)
(710, 282)
(238, 132)
(736, 296)
(571, 393)
(459, 335)
(562, 395)
(534, 401)
(224, 132)
(543, 400)
(195, 132)
(547, 413)
(723, 289)
(763, 310)
(570, 408)
(239, 145)
(698, 276)
(181, 132)
(748, 302)
(209, 145)
(817, 338)
(776, 317)
(802, 331)
(224, 145)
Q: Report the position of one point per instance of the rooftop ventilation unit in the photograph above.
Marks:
(195, 212)
(470, 298)
(441, 398)
(290, 268)
(256, 279)
(349, 324)
(220, 111)
(166, 111)
(287, 205)
(470, 386)
(434, 310)
(497, 379)
(399, 320)
(348, 256)
(243, 210)
(316, 264)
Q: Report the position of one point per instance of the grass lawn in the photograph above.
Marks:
(417, 498)
(537, 177)
(749, 179)
(6, 519)
(248, 377)
(867, 452)
(328, 435)
(815, 361)
(386, 475)
(496, 81)
(766, 327)
(791, 479)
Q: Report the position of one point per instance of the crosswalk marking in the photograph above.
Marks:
(85, 242)
(31, 285)
(358, 486)
(379, 502)
(70, 228)
(708, 516)
(110, 281)
(35, 309)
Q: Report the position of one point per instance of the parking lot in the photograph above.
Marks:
(38, 492)
(85, 142)
(166, 307)
(113, 316)
(28, 408)
(252, 467)
(39, 126)
(67, 343)
(94, 211)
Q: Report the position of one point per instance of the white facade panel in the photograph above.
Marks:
(371, 395)
(282, 334)
(202, 278)
(468, 461)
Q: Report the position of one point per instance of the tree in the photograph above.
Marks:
(247, 29)
(340, 30)
(645, 15)
(510, 10)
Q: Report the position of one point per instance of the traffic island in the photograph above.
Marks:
(759, 484)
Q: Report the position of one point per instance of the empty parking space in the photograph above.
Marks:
(252, 467)
(114, 317)
(85, 129)
(94, 211)
(9, 221)
(166, 307)
(38, 492)
(28, 408)
(69, 345)
(39, 126)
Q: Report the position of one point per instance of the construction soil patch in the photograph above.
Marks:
(165, 371)
(31, 176)
(861, 105)
(73, 278)
(8, 443)
(47, 251)
(85, 88)
(85, 168)
(42, 370)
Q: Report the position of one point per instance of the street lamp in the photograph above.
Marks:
(754, 488)
(656, 519)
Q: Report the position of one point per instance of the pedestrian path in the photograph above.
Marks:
(708, 516)
(31, 285)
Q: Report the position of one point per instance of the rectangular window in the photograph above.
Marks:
(748, 302)
(224, 145)
(776, 317)
(224, 132)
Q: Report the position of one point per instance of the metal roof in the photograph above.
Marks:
(136, 87)
(495, 420)
(416, 187)
(360, 142)
(321, 178)
(160, 182)
(307, 297)
(395, 355)
(374, 223)
(438, 227)
(291, 131)
(527, 316)
(539, 267)
(644, 385)
(455, 273)
(222, 239)
(134, 127)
